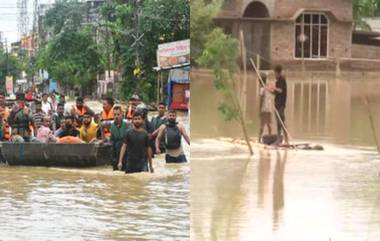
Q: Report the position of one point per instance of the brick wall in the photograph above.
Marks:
(365, 51)
(342, 9)
(282, 40)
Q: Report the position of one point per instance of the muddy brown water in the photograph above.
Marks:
(289, 195)
(38, 204)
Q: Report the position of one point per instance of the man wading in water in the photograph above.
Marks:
(119, 129)
(280, 92)
(173, 133)
(136, 145)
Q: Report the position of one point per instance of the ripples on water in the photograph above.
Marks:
(96, 204)
(285, 195)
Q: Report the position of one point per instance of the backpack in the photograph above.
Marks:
(172, 137)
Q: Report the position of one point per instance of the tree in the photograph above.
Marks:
(13, 65)
(362, 9)
(71, 56)
(220, 52)
(159, 21)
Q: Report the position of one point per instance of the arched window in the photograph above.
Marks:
(256, 10)
(311, 36)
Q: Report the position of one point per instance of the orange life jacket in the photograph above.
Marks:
(69, 139)
(5, 115)
(130, 112)
(80, 112)
(107, 117)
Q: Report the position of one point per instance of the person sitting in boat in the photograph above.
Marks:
(4, 113)
(80, 108)
(2, 126)
(87, 132)
(119, 129)
(136, 144)
(172, 132)
(106, 116)
(58, 117)
(38, 115)
(60, 129)
(44, 133)
(20, 118)
(69, 129)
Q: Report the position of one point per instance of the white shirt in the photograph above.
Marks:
(46, 107)
(267, 98)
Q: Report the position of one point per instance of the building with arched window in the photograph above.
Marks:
(291, 32)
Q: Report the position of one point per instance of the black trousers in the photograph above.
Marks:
(179, 159)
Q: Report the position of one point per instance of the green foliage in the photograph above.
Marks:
(201, 25)
(221, 53)
(362, 9)
(14, 65)
(160, 21)
(71, 56)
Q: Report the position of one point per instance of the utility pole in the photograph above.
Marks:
(7, 57)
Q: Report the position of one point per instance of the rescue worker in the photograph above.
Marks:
(119, 129)
(80, 108)
(172, 132)
(134, 101)
(20, 118)
(106, 116)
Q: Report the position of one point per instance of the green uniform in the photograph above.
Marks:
(20, 121)
(117, 138)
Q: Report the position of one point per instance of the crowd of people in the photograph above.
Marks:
(134, 138)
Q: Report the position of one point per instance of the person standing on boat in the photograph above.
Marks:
(119, 129)
(20, 118)
(172, 131)
(157, 121)
(38, 115)
(80, 108)
(280, 92)
(136, 144)
(47, 108)
(265, 107)
(58, 117)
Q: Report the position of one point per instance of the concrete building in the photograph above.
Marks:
(296, 33)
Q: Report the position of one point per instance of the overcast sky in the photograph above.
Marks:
(9, 16)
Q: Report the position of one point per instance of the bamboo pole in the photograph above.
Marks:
(241, 113)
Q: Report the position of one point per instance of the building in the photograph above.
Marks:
(92, 14)
(296, 33)
(15, 48)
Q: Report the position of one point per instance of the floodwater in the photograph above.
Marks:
(289, 195)
(38, 204)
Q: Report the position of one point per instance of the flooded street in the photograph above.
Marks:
(39, 204)
(289, 195)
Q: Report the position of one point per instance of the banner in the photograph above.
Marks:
(173, 53)
(9, 84)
